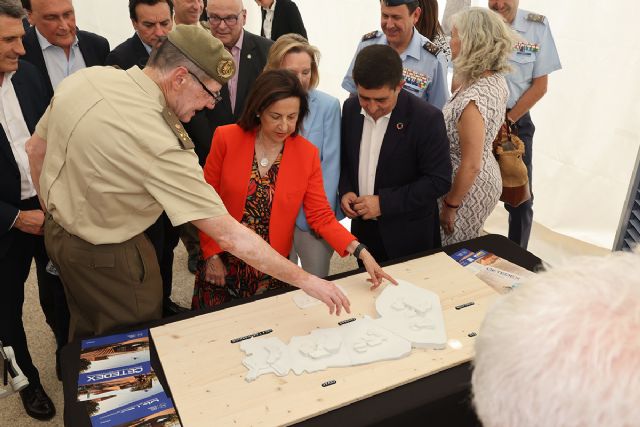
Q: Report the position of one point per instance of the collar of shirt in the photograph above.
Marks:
(44, 43)
(7, 77)
(146, 46)
(148, 85)
(272, 8)
(368, 117)
(238, 46)
(520, 21)
(413, 50)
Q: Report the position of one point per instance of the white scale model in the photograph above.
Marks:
(410, 316)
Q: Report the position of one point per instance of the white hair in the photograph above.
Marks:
(564, 349)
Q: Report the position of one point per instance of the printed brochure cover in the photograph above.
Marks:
(114, 351)
(156, 410)
(125, 381)
(500, 274)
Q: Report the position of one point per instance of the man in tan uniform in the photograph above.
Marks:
(116, 156)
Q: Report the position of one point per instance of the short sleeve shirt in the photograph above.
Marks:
(113, 163)
(535, 54)
(425, 73)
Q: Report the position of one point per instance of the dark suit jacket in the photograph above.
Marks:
(414, 169)
(128, 53)
(253, 58)
(31, 90)
(94, 49)
(286, 19)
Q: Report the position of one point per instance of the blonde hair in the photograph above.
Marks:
(294, 43)
(486, 43)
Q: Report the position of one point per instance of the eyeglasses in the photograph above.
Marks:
(230, 20)
(215, 95)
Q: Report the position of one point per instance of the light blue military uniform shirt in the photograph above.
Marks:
(424, 68)
(535, 55)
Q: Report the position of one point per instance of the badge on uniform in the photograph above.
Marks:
(534, 17)
(415, 82)
(525, 48)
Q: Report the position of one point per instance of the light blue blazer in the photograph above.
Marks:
(322, 128)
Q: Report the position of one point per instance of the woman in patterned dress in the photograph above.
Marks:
(264, 172)
(480, 44)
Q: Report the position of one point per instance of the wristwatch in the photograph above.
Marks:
(358, 249)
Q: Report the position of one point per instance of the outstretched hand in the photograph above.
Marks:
(329, 294)
(375, 271)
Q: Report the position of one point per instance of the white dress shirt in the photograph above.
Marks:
(268, 20)
(17, 133)
(372, 136)
(58, 66)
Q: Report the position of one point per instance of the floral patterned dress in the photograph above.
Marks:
(242, 280)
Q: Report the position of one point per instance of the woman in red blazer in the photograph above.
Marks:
(264, 172)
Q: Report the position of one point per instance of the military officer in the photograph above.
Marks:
(116, 157)
(534, 58)
(424, 65)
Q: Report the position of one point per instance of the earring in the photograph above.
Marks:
(258, 115)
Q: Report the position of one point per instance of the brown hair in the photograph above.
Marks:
(272, 86)
(294, 43)
(428, 24)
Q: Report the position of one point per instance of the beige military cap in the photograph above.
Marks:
(204, 50)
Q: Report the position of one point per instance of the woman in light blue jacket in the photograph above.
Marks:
(322, 128)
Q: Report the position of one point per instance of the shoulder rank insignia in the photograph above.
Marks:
(534, 17)
(369, 36)
(431, 48)
(176, 127)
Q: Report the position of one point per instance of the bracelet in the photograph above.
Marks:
(449, 205)
(358, 249)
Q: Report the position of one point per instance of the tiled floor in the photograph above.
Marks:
(546, 244)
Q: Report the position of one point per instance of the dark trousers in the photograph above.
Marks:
(367, 232)
(521, 217)
(107, 286)
(14, 267)
(164, 237)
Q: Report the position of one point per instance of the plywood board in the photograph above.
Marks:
(205, 370)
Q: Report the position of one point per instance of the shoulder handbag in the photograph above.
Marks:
(509, 149)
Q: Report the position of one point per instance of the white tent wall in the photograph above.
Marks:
(587, 137)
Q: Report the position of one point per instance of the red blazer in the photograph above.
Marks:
(299, 183)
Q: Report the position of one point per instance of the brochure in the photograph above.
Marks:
(114, 351)
(125, 381)
(500, 274)
(155, 410)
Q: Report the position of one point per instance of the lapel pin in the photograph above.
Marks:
(249, 56)
(400, 126)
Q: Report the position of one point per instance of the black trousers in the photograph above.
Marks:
(521, 217)
(164, 237)
(14, 267)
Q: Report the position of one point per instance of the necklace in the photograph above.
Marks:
(264, 160)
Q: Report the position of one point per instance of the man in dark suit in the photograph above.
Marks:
(395, 160)
(151, 19)
(280, 17)
(249, 51)
(55, 45)
(22, 102)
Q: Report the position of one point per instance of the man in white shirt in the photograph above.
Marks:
(395, 159)
(22, 94)
(55, 45)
